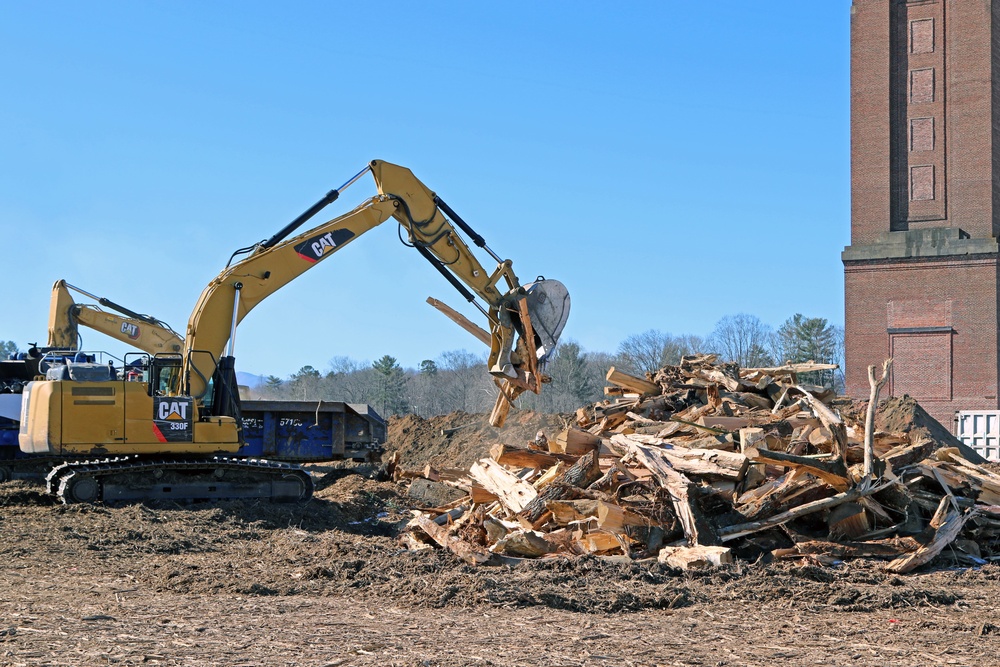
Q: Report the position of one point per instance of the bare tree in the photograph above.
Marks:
(350, 381)
(839, 358)
(649, 351)
(643, 352)
(8, 348)
(743, 339)
(464, 382)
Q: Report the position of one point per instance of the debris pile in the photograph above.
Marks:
(705, 462)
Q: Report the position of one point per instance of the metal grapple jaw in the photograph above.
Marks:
(541, 309)
(548, 307)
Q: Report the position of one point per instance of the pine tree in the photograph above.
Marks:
(803, 339)
(390, 390)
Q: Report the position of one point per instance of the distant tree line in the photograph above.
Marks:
(458, 380)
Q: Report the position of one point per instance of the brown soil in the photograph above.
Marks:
(421, 441)
(325, 583)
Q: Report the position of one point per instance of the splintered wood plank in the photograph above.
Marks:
(682, 490)
(481, 496)
(946, 530)
(711, 463)
(697, 557)
(606, 516)
(637, 385)
(831, 471)
(831, 421)
(804, 367)
(578, 476)
(600, 540)
(513, 492)
(461, 320)
(574, 441)
(519, 457)
(470, 553)
(505, 398)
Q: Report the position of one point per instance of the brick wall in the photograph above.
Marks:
(925, 115)
(870, 182)
(917, 311)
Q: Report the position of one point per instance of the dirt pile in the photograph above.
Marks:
(459, 439)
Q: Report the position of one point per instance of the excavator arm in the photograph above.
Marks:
(141, 331)
(430, 227)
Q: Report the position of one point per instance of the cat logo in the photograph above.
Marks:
(318, 247)
(130, 330)
(172, 410)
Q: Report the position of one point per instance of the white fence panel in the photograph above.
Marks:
(980, 429)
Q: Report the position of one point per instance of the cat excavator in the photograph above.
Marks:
(168, 436)
(144, 332)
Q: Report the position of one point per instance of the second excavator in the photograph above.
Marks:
(169, 436)
(144, 332)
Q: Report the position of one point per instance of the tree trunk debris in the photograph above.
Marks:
(703, 463)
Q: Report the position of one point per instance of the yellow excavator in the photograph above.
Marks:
(168, 437)
(144, 332)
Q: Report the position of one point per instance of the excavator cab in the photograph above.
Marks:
(165, 375)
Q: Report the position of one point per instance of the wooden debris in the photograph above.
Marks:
(707, 456)
(573, 441)
(513, 492)
(470, 553)
(876, 385)
(526, 543)
(699, 557)
(946, 526)
(631, 382)
(581, 474)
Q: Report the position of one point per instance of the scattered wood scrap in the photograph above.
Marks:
(702, 461)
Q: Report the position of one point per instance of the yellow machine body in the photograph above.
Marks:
(115, 418)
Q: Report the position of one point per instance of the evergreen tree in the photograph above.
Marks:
(803, 339)
(570, 375)
(390, 388)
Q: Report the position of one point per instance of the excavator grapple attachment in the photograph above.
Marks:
(548, 307)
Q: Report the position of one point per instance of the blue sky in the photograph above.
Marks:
(671, 163)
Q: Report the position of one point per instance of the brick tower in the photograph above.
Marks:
(921, 274)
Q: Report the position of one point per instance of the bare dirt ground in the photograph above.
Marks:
(326, 583)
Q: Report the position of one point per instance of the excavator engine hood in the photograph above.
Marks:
(548, 307)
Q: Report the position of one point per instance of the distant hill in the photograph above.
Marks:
(249, 379)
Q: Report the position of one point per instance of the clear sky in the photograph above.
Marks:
(670, 162)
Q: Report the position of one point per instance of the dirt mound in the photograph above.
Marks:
(904, 415)
(459, 439)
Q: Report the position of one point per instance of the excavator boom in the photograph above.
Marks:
(140, 331)
(274, 263)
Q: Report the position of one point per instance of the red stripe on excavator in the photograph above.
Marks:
(158, 433)
(311, 260)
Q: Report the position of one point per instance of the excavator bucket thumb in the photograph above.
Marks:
(548, 307)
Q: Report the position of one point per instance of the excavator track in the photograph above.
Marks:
(131, 479)
(33, 468)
